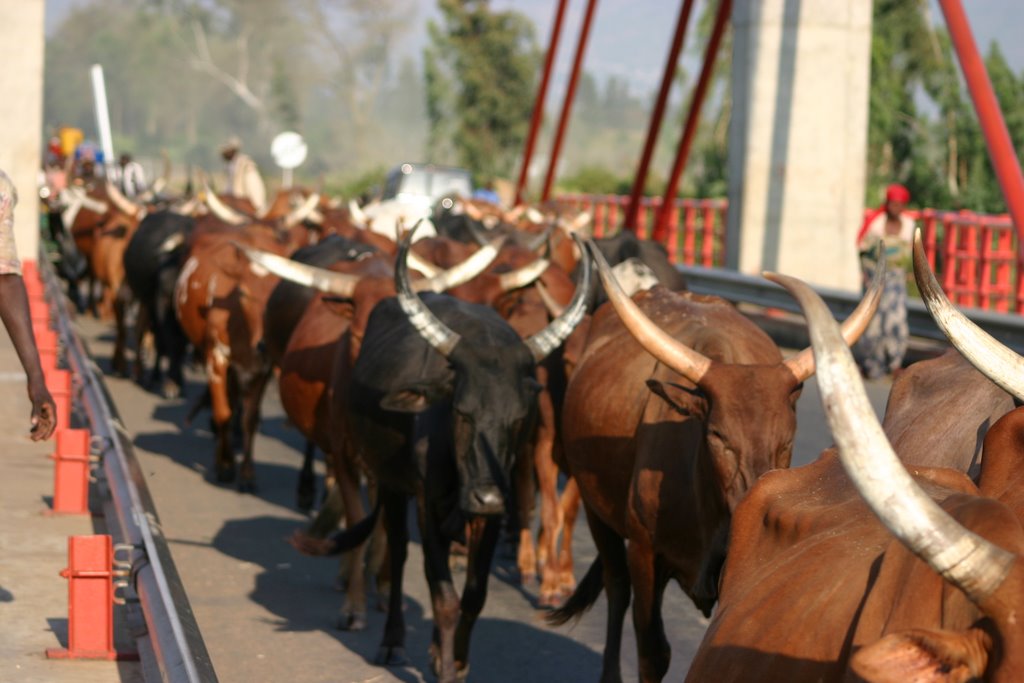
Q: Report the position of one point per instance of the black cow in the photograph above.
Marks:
(152, 260)
(443, 398)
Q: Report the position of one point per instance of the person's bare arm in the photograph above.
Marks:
(15, 315)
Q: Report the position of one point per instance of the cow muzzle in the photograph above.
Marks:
(485, 500)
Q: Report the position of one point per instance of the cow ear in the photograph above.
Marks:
(686, 401)
(338, 306)
(924, 655)
(416, 398)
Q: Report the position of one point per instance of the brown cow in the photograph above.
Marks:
(677, 406)
(876, 573)
(219, 301)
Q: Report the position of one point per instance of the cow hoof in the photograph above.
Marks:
(247, 486)
(225, 476)
(170, 391)
(352, 622)
(549, 599)
(526, 578)
(391, 656)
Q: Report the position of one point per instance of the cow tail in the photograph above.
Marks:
(356, 535)
(582, 599)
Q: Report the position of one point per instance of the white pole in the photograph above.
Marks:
(286, 179)
(99, 92)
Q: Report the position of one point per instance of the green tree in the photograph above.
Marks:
(479, 69)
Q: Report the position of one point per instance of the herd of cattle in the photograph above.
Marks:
(469, 370)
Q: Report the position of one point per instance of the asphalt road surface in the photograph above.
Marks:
(268, 614)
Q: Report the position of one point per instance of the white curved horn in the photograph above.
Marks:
(467, 270)
(963, 558)
(123, 204)
(686, 361)
(429, 326)
(559, 329)
(802, 364)
(338, 284)
(357, 215)
(417, 262)
(301, 212)
(994, 360)
(220, 209)
(522, 277)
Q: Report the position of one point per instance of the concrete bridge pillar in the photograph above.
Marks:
(798, 137)
(22, 39)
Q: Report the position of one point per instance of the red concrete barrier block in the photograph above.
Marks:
(90, 577)
(59, 384)
(30, 276)
(71, 472)
(47, 343)
(39, 312)
(48, 362)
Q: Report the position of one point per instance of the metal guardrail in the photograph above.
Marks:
(178, 650)
(1008, 328)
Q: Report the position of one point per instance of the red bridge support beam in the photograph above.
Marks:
(692, 118)
(570, 94)
(538, 104)
(629, 220)
(997, 137)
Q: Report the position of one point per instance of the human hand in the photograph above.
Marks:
(44, 413)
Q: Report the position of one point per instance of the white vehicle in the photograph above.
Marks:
(410, 194)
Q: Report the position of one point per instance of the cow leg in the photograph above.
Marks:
(569, 504)
(143, 323)
(220, 407)
(649, 579)
(526, 559)
(377, 554)
(305, 492)
(482, 541)
(353, 612)
(91, 295)
(170, 338)
(119, 303)
(443, 597)
(392, 646)
(612, 552)
(550, 512)
(252, 396)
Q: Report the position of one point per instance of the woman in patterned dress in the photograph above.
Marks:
(881, 349)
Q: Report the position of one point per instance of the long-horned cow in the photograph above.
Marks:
(442, 399)
(316, 357)
(866, 566)
(678, 404)
(219, 300)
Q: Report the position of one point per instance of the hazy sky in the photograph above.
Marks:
(630, 38)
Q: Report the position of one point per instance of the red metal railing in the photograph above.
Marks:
(973, 255)
(696, 227)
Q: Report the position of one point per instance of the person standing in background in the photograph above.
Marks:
(128, 176)
(15, 315)
(243, 175)
(881, 349)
